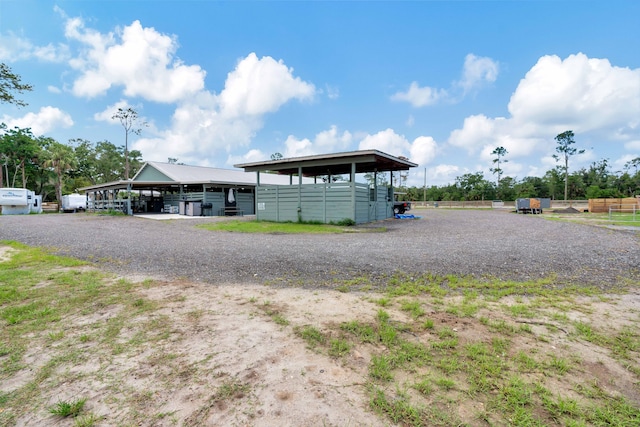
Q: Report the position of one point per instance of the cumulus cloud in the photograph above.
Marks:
(421, 150)
(587, 95)
(15, 48)
(260, 86)
(250, 156)
(44, 121)
(477, 71)
(140, 59)
(207, 122)
(420, 96)
(325, 141)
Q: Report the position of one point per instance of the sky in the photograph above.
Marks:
(443, 83)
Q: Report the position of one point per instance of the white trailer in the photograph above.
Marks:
(19, 201)
(74, 202)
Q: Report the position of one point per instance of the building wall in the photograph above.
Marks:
(326, 203)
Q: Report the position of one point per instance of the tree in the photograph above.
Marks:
(17, 146)
(499, 152)
(131, 123)
(10, 82)
(635, 163)
(277, 156)
(60, 159)
(565, 150)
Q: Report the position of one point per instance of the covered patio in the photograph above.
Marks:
(327, 201)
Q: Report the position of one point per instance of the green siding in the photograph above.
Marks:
(318, 202)
(149, 173)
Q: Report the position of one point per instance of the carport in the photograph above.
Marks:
(174, 188)
(327, 201)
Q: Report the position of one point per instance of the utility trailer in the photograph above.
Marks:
(532, 205)
(74, 203)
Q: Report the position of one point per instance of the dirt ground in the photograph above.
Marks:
(227, 337)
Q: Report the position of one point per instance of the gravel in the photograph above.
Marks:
(479, 243)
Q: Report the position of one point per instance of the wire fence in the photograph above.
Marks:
(624, 213)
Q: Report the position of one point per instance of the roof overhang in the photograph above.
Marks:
(332, 164)
(147, 185)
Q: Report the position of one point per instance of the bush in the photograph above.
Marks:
(346, 222)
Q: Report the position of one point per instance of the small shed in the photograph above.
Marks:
(327, 201)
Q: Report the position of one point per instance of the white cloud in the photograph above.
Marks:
(477, 71)
(442, 174)
(107, 114)
(423, 150)
(260, 86)
(44, 121)
(410, 120)
(207, 123)
(249, 157)
(324, 142)
(140, 59)
(420, 96)
(332, 92)
(15, 48)
(589, 96)
(579, 93)
(54, 89)
(386, 141)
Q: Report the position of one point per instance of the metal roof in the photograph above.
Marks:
(192, 175)
(332, 164)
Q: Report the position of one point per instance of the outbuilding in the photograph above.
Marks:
(176, 188)
(327, 201)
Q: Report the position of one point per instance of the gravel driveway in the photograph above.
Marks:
(479, 243)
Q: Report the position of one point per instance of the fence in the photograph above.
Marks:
(580, 205)
(108, 205)
(624, 212)
(602, 205)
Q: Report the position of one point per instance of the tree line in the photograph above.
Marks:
(593, 182)
(51, 168)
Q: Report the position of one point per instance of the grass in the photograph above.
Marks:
(269, 227)
(68, 408)
(617, 218)
(422, 364)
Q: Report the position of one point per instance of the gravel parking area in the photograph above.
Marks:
(463, 242)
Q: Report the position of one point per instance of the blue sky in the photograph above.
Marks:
(440, 82)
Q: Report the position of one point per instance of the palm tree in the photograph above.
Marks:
(60, 159)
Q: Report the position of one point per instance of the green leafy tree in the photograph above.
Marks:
(17, 146)
(565, 150)
(60, 159)
(132, 124)
(474, 186)
(499, 154)
(10, 83)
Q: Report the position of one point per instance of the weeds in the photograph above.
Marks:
(68, 408)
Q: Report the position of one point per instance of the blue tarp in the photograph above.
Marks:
(407, 216)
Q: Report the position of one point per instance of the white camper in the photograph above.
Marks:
(19, 201)
(74, 202)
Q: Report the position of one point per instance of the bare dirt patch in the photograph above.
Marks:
(201, 355)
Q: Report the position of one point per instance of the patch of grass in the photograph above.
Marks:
(311, 335)
(279, 319)
(380, 368)
(338, 347)
(413, 307)
(68, 408)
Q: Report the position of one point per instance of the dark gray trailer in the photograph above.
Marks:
(532, 205)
